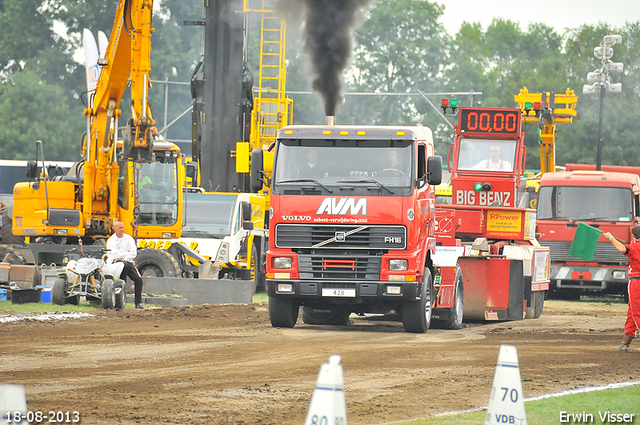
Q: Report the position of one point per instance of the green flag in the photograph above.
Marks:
(585, 241)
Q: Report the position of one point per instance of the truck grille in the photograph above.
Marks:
(336, 266)
(605, 253)
(341, 237)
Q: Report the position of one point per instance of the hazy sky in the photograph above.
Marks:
(559, 14)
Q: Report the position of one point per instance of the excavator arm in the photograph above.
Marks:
(547, 109)
(126, 63)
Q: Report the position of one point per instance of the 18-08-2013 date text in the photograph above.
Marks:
(36, 417)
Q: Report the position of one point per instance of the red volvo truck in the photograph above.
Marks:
(608, 200)
(351, 224)
(486, 228)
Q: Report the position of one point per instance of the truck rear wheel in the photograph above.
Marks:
(108, 294)
(334, 316)
(451, 318)
(157, 263)
(283, 312)
(416, 315)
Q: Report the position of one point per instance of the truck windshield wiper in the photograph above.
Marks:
(601, 219)
(200, 232)
(562, 218)
(367, 181)
(305, 181)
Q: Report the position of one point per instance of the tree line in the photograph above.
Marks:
(400, 50)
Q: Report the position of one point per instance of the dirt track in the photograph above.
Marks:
(227, 365)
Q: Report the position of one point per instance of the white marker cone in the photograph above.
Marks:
(13, 404)
(328, 404)
(506, 405)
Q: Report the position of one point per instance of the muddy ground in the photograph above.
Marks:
(227, 365)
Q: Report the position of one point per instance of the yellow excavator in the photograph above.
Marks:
(135, 179)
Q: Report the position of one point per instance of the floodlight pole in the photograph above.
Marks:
(600, 141)
(600, 79)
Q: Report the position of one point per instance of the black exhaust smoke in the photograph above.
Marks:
(328, 41)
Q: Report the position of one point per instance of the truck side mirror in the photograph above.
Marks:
(245, 208)
(257, 170)
(32, 170)
(434, 170)
(246, 211)
(191, 168)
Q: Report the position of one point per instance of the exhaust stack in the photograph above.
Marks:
(330, 120)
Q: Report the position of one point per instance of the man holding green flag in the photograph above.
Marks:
(631, 250)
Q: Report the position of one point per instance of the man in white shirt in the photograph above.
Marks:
(122, 247)
(495, 161)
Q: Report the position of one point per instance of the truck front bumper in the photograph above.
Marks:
(587, 277)
(344, 291)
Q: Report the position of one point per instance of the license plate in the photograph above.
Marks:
(339, 292)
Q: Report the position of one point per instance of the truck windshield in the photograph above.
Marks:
(158, 192)
(209, 215)
(584, 203)
(390, 166)
(486, 154)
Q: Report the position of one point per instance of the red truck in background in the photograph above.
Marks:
(609, 200)
(503, 268)
(351, 225)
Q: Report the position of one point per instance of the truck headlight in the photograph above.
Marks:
(619, 274)
(396, 264)
(282, 262)
(284, 287)
(394, 290)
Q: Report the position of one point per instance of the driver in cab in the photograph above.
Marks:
(393, 167)
(494, 162)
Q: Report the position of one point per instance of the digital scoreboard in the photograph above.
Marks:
(489, 121)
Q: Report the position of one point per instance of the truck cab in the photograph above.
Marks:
(606, 200)
(351, 223)
(227, 229)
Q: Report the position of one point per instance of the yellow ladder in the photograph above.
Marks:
(272, 110)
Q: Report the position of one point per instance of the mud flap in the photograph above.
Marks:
(515, 311)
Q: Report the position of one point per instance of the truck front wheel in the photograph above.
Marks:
(416, 315)
(283, 312)
(256, 271)
(157, 263)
